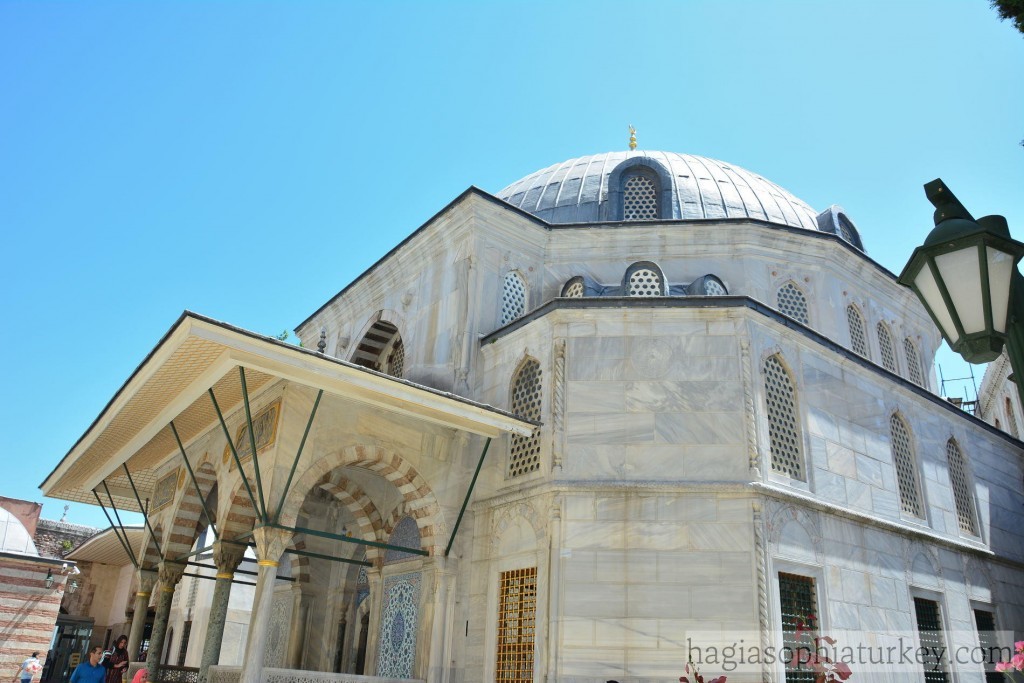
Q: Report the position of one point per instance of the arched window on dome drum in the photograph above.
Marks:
(858, 337)
(713, 287)
(913, 361)
(639, 197)
(1011, 419)
(906, 467)
(574, 288)
(792, 302)
(381, 349)
(644, 279)
(885, 347)
(783, 430)
(524, 451)
(959, 480)
(513, 297)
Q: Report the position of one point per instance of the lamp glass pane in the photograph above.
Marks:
(1000, 270)
(960, 270)
(925, 283)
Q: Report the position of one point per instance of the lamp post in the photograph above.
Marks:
(966, 276)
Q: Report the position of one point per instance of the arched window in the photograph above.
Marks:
(1011, 420)
(714, 287)
(513, 297)
(644, 279)
(783, 432)
(906, 467)
(792, 302)
(639, 196)
(574, 288)
(885, 346)
(913, 361)
(858, 338)
(524, 451)
(961, 488)
(381, 349)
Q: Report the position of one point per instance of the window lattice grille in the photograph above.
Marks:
(713, 288)
(1011, 420)
(513, 298)
(858, 338)
(797, 604)
(903, 457)
(961, 491)
(517, 611)
(574, 291)
(524, 451)
(639, 199)
(929, 632)
(186, 632)
(885, 346)
(793, 303)
(913, 361)
(396, 359)
(782, 429)
(985, 621)
(845, 232)
(644, 282)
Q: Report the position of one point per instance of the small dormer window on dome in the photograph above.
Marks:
(644, 278)
(639, 198)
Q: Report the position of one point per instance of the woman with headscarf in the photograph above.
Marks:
(117, 661)
(141, 676)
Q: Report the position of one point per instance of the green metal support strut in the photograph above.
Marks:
(469, 493)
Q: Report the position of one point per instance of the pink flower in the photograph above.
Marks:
(1019, 646)
(1002, 667)
(1018, 661)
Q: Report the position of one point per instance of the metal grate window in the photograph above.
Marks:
(797, 604)
(985, 621)
(186, 631)
(639, 199)
(644, 282)
(782, 426)
(961, 491)
(858, 338)
(906, 474)
(524, 451)
(885, 346)
(574, 290)
(713, 288)
(1011, 420)
(395, 365)
(381, 349)
(929, 632)
(793, 303)
(513, 298)
(845, 232)
(913, 362)
(516, 625)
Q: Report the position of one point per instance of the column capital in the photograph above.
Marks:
(270, 544)
(146, 580)
(170, 574)
(227, 556)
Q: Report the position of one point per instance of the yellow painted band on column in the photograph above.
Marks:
(140, 594)
(225, 575)
(267, 563)
(167, 589)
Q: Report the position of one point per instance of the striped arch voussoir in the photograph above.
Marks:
(188, 519)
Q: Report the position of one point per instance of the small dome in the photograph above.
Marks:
(589, 189)
(14, 537)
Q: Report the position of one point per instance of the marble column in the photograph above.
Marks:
(553, 639)
(374, 578)
(297, 635)
(170, 575)
(442, 573)
(146, 581)
(227, 557)
(270, 545)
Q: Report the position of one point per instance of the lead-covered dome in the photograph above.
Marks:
(640, 185)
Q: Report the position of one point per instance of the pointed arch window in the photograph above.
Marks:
(792, 302)
(959, 480)
(906, 467)
(1011, 419)
(639, 197)
(913, 361)
(382, 349)
(885, 347)
(858, 337)
(644, 279)
(524, 451)
(513, 297)
(783, 430)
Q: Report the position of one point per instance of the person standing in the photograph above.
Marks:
(90, 671)
(117, 662)
(29, 668)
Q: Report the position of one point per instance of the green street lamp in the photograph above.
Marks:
(966, 276)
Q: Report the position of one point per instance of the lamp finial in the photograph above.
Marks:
(632, 137)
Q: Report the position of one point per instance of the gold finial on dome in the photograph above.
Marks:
(632, 137)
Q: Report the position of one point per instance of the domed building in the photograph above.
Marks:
(636, 409)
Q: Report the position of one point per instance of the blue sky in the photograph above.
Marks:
(247, 160)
